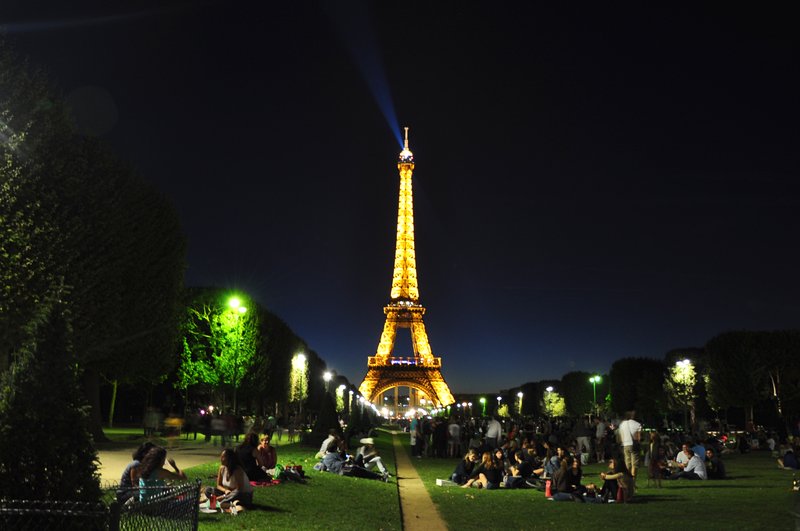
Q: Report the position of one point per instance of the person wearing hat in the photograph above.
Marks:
(367, 456)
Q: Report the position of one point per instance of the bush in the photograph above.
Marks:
(46, 451)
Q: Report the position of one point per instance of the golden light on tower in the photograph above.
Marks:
(423, 371)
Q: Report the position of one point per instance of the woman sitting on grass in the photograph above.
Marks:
(248, 456)
(153, 474)
(464, 468)
(130, 476)
(489, 474)
(232, 481)
(267, 455)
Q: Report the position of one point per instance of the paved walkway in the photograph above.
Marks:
(419, 512)
(112, 462)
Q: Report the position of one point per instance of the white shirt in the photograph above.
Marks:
(627, 430)
(493, 429)
(682, 458)
(601, 430)
(697, 466)
(454, 430)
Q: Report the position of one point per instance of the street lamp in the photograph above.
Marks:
(236, 305)
(328, 376)
(299, 383)
(549, 389)
(595, 380)
(482, 400)
(685, 375)
(519, 395)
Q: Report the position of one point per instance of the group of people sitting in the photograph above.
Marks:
(335, 458)
(252, 460)
(528, 464)
(494, 468)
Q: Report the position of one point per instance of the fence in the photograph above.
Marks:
(170, 508)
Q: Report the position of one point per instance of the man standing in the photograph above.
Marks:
(630, 432)
(600, 439)
(494, 430)
(415, 430)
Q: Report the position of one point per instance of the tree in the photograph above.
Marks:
(638, 384)
(577, 392)
(554, 404)
(220, 341)
(46, 450)
(72, 213)
(736, 375)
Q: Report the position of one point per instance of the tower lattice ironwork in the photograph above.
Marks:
(423, 371)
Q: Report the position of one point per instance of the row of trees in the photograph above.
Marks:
(92, 259)
(738, 370)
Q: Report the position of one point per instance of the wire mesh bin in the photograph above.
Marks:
(156, 508)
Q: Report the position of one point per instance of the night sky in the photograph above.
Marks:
(590, 183)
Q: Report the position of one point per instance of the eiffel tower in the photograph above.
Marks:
(422, 372)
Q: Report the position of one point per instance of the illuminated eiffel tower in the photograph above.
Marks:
(422, 372)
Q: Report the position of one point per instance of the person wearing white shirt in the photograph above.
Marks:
(494, 430)
(631, 433)
(695, 468)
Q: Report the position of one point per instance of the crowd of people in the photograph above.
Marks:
(335, 457)
(553, 459)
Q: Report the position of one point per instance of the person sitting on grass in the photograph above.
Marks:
(130, 476)
(232, 481)
(694, 469)
(153, 474)
(715, 467)
(574, 476)
(789, 459)
(610, 481)
(489, 475)
(618, 483)
(562, 490)
(248, 457)
(333, 436)
(465, 467)
(520, 472)
(367, 456)
(336, 463)
(267, 455)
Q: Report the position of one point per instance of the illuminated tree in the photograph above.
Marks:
(554, 404)
(680, 386)
(219, 345)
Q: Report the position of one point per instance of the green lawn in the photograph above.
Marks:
(758, 496)
(327, 501)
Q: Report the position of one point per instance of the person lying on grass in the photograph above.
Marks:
(338, 463)
(232, 481)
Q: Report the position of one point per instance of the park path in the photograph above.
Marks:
(419, 512)
(113, 461)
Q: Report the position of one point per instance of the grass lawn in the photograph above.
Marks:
(327, 501)
(758, 496)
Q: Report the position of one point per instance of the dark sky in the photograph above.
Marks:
(590, 183)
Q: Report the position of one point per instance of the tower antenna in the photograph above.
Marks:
(406, 144)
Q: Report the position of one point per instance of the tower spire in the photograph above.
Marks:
(404, 279)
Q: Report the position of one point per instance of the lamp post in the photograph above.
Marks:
(595, 380)
(482, 400)
(328, 376)
(685, 375)
(519, 395)
(299, 383)
(499, 399)
(235, 304)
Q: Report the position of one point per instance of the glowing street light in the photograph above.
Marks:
(684, 374)
(549, 389)
(236, 305)
(595, 380)
(519, 395)
(482, 400)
